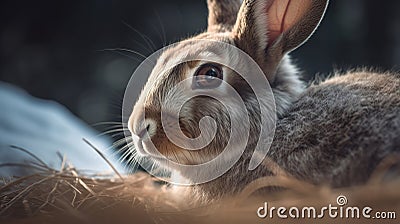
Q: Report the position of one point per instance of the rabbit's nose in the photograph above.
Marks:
(145, 130)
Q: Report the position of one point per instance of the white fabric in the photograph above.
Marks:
(45, 128)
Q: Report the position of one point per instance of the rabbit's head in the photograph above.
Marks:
(176, 97)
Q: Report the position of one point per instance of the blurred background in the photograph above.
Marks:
(58, 49)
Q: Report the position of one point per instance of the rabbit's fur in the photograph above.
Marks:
(334, 132)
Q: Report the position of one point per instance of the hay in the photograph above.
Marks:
(65, 196)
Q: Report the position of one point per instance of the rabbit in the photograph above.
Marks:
(332, 132)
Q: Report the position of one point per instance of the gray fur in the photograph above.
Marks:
(334, 132)
(222, 14)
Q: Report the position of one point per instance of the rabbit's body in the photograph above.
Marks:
(341, 129)
(335, 132)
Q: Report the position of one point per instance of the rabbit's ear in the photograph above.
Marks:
(268, 29)
(222, 14)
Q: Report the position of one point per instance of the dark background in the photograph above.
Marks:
(56, 49)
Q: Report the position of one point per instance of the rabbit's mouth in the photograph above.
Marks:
(163, 151)
(140, 149)
(160, 152)
(143, 150)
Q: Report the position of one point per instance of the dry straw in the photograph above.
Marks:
(67, 196)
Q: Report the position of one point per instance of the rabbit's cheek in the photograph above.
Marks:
(161, 144)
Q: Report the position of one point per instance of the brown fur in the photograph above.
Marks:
(333, 133)
(222, 14)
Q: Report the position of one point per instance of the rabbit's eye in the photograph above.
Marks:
(208, 76)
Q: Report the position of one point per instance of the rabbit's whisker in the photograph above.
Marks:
(147, 40)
